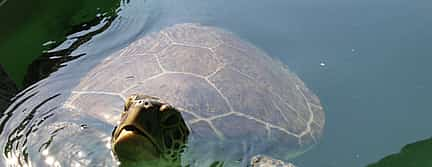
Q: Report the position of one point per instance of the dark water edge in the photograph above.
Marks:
(416, 154)
(8, 89)
(35, 27)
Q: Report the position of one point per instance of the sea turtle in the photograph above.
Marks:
(226, 101)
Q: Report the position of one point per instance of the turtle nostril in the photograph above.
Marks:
(146, 104)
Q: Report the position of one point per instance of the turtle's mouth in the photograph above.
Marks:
(133, 143)
(127, 132)
(133, 130)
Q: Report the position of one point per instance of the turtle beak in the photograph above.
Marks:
(135, 137)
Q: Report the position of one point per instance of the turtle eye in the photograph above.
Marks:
(171, 119)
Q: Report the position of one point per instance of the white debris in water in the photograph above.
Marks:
(353, 50)
(322, 64)
(357, 155)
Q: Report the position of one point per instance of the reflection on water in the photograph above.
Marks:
(53, 59)
(368, 61)
(28, 125)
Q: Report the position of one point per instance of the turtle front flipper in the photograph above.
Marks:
(149, 132)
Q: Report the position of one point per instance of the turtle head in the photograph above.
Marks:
(149, 130)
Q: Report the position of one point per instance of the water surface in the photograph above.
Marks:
(368, 61)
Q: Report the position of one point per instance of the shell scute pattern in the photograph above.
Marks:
(249, 99)
(177, 58)
(152, 44)
(225, 80)
(117, 74)
(241, 126)
(202, 129)
(189, 92)
(250, 67)
(279, 135)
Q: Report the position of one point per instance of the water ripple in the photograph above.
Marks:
(17, 138)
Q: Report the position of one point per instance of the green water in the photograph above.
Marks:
(28, 26)
(368, 61)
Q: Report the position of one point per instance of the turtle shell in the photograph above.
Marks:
(227, 90)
